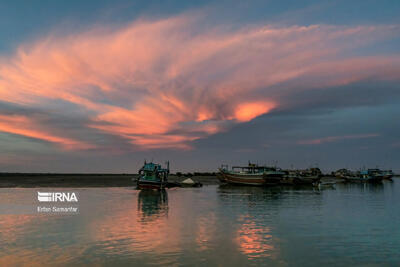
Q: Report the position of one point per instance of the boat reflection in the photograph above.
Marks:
(252, 194)
(144, 232)
(152, 204)
(363, 187)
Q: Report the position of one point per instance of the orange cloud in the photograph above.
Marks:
(248, 111)
(22, 125)
(166, 83)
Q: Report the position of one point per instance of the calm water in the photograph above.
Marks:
(214, 225)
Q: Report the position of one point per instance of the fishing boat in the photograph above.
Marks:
(249, 175)
(153, 176)
(342, 173)
(273, 175)
(363, 176)
(310, 176)
(302, 177)
(384, 174)
(388, 174)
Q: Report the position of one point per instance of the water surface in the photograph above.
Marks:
(356, 224)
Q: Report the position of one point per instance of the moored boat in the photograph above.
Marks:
(376, 173)
(153, 176)
(273, 176)
(363, 176)
(384, 174)
(302, 177)
(310, 176)
(388, 174)
(342, 173)
(248, 175)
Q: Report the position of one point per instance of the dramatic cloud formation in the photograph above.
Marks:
(168, 82)
(22, 125)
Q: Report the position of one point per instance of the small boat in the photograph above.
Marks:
(363, 176)
(289, 178)
(249, 175)
(302, 177)
(384, 174)
(342, 173)
(300, 180)
(388, 174)
(307, 180)
(153, 176)
(273, 176)
(377, 173)
(369, 175)
(324, 185)
(310, 176)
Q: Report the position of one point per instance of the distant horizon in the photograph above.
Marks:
(192, 171)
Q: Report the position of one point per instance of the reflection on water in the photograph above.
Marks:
(365, 187)
(144, 233)
(215, 225)
(206, 227)
(152, 204)
(254, 240)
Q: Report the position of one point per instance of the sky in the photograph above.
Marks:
(100, 86)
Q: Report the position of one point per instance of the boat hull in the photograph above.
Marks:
(272, 179)
(143, 184)
(242, 179)
(299, 180)
(388, 177)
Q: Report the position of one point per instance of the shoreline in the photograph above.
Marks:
(32, 180)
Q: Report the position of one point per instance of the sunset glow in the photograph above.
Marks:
(191, 80)
(157, 85)
(248, 111)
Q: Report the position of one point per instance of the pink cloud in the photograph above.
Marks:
(330, 139)
(166, 83)
(248, 111)
(23, 125)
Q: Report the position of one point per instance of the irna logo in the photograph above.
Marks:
(57, 197)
